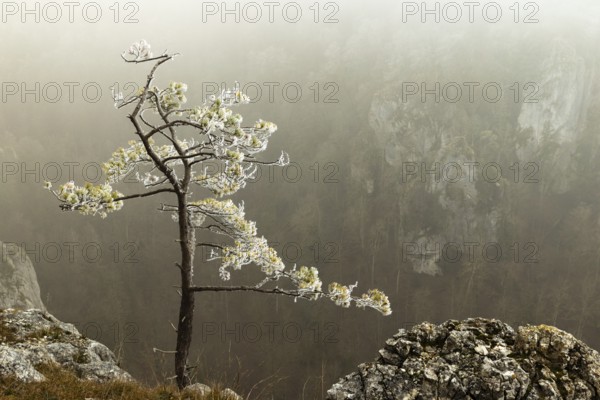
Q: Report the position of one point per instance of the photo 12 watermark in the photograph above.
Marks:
(327, 172)
(459, 252)
(452, 12)
(59, 92)
(72, 252)
(470, 171)
(252, 12)
(472, 92)
(52, 12)
(51, 171)
(279, 92)
(115, 332)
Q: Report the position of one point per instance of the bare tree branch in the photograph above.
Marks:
(291, 293)
(140, 195)
(213, 245)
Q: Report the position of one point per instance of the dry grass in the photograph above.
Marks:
(53, 334)
(63, 385)
(7, 333)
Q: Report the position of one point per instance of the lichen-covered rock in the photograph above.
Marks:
(231, 395)
(34, 337)
(199, 388)
(204, 390)
(476, 359)
(18, 281)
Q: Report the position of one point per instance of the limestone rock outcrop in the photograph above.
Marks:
(476, 359)
(18, 281)
(32, 338)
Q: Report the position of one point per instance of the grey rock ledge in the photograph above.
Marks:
(476, 359)
(34, 337)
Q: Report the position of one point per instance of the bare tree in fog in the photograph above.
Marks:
(175, 167)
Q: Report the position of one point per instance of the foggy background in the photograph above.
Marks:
(357, 201)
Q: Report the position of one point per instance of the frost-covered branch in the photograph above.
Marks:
(339, 294)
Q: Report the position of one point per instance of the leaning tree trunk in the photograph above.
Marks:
(186, 308)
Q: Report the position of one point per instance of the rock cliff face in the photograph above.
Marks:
(432, 162)
(428, 142)
(18, 282)
(476, 359)
(33, 337)
(559, 115)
